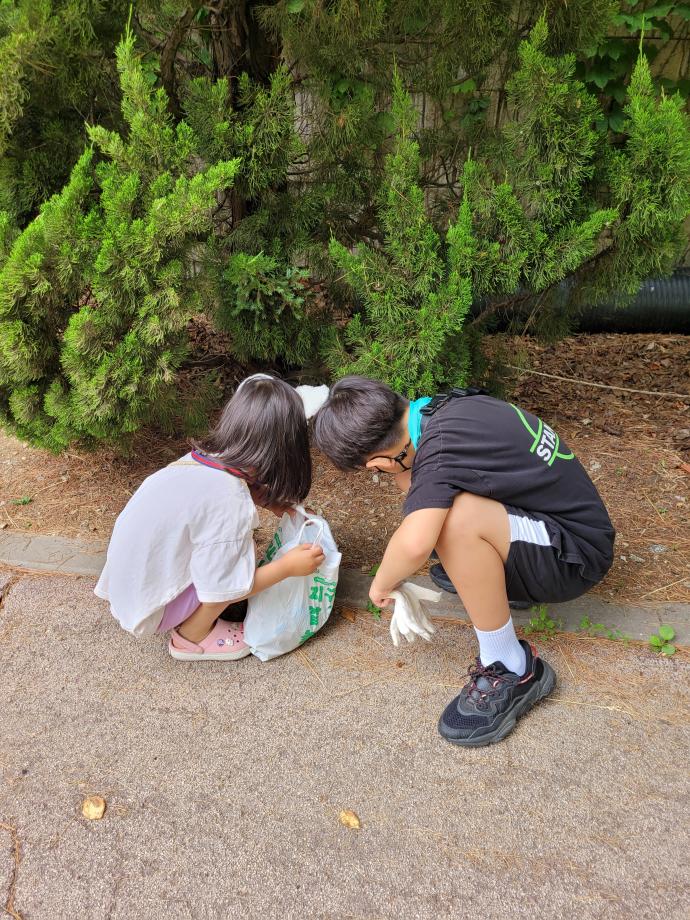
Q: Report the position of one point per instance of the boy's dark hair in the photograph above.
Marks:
(360, 417)
(263, 432)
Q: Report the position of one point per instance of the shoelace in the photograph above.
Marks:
(477, 672)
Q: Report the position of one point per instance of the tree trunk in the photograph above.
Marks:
(239, 43)
(169, 55)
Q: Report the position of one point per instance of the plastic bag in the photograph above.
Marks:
(284, 616)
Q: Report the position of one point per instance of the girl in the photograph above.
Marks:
(183, 549)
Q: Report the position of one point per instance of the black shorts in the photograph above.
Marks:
(535, 570)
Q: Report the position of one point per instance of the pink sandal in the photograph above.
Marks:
(225, 642)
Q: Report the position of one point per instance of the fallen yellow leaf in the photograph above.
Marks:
(93, 807)
(349, 819)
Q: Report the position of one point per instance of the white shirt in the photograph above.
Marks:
(186, 524)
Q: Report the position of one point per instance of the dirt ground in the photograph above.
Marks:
(635, 446)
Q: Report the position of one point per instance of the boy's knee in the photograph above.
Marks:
(464, 518)
(474, 517)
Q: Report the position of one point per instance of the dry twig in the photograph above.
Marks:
(592, 383)
(16, 856)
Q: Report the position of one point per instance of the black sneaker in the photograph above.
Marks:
(494, 698)
(441, 580)
(439, 577)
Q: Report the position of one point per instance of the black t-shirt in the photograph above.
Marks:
(492, 448)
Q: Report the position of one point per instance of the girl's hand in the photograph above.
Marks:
(303, 560)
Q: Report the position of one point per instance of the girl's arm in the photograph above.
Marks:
(303, 560)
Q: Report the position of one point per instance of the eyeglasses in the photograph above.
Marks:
(398, 457)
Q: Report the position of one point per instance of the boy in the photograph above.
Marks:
(511, 513)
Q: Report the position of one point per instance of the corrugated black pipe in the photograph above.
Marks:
(661, 305)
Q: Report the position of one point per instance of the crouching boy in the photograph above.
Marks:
(510, 511)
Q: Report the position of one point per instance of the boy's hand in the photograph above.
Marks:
(303, 560)
(379, 598)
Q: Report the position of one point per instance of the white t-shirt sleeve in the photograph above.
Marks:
(224, 570)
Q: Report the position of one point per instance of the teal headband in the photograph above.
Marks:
(414, 422)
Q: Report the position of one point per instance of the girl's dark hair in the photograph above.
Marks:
(263, 432)
(360, 417)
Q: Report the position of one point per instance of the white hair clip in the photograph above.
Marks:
(254, 377)
(312, 398)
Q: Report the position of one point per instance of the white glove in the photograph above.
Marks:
(409, 616)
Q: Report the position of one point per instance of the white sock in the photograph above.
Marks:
(502, 645)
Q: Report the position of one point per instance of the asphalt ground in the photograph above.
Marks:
(224, 781)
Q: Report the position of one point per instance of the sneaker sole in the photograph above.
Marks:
(521, 706)
(179, 655)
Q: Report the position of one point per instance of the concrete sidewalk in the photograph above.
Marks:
(58, 554)
(224, 781)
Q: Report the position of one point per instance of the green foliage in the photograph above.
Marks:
(551, 136)
(607, 65)
(415, 298)
(347, 53)
(661, 641)
(95, 300)
(529, 231)
(598, 629)
(8, 233)
(56, 61)
(649, 181)
(371, 606)
(374, 611)
(40, 284)
(542, 624)
(258, 128)
(266, 307)
(542, 213)
(254, 290)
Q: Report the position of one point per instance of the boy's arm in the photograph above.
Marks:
(408, 549)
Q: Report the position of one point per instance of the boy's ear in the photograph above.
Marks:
(385, 464)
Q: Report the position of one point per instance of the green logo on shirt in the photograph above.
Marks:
(546, 441)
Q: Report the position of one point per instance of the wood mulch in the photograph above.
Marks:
(636, 448)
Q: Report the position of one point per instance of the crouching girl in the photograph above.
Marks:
(182, 552)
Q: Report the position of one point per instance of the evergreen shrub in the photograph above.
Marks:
(352, 187)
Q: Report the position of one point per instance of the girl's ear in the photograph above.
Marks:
(384, 464)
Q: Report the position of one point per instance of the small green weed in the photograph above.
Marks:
(661, 641)
(374, 610)
(371, 607)
(542, 623)
(598, 629)
(24, 500)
